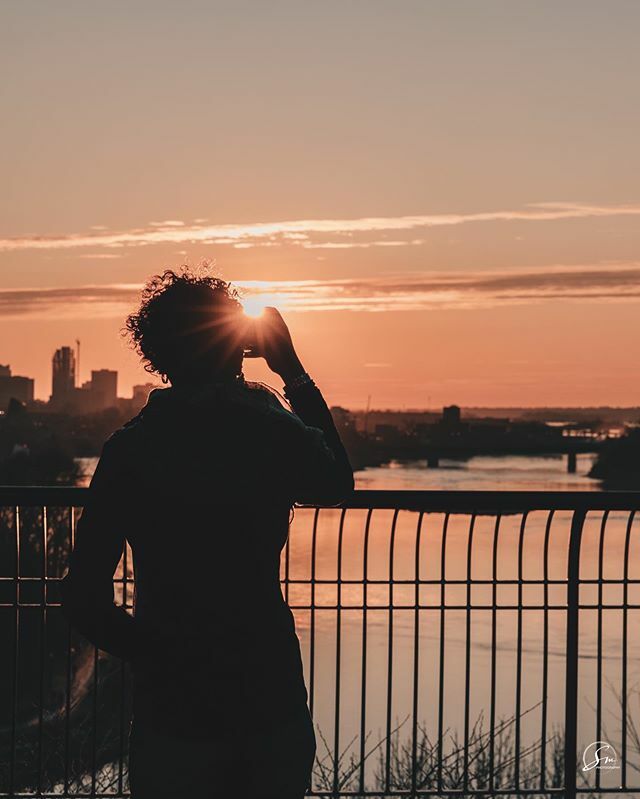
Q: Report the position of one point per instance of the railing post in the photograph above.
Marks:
(571, 677)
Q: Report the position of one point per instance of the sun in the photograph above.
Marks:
(254, 306)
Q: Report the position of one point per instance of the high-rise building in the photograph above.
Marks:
(97, 394)
(104, 387)
(63, 381)
(14, 387)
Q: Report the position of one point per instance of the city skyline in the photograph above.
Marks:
(25, 393)
(68, 393)
(442, 198)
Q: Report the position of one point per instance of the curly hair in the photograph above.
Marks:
(184, 318)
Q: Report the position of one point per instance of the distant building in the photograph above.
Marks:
(97, 394)
(14, 387)
(343, 418)
(141, 394)
(451, 416)
(63, 380)
(104, 387)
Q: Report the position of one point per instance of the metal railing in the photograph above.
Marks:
(455, 643)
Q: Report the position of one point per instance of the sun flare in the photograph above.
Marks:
(254, 306)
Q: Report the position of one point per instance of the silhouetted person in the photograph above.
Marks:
(201, 483)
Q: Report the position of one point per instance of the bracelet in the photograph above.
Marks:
(298, 382)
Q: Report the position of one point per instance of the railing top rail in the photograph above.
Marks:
(495, 501)
(426, 501)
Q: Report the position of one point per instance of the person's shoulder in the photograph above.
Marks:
(264, 413)
(261, 399)
(259, 394)
(123, 438)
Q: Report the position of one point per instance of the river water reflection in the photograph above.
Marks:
(378, 646)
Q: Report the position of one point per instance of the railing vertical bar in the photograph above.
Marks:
(603, 525)
(336, 732)
(363, 677)
(43, 645)
(443, 557)
(94, 721)
(416, 661)
(16, 652)
(312, 623)
(572, 653)
(68, 676)
(518, 731)
(545, 653)
(625, 650)
(392, 540)
(123, 682)
(494, 634)
(467, 659)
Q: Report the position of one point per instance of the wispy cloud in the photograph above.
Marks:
(439, 290)
(99, 256)
(409, 292)
(348, 245)
(80, 302)
(306, 232)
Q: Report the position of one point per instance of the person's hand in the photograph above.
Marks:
(275, 345)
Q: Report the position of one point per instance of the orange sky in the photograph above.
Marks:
(442, 198)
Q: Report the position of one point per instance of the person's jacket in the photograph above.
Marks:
(201, 484)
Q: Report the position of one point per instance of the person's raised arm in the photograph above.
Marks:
(320, 465)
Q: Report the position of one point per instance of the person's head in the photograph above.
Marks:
(188, 328)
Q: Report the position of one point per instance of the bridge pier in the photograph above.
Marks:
(572, 460)
(433, 461)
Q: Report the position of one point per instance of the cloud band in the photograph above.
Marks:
(304, 232)
(409, 292)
